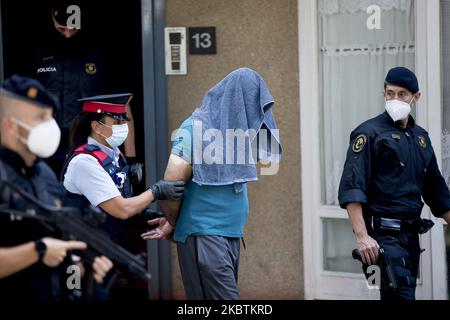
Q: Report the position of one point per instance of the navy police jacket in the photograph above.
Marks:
(37, 281)
(389, 170)
(70, 72)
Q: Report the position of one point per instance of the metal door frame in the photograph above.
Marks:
(156, 130)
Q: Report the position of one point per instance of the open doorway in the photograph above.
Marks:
(111, 28)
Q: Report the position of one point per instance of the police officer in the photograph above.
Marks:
(30, 255)
(96, 172)
(390, 167)
(71, 67)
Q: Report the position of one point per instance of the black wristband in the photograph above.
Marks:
(40, 248)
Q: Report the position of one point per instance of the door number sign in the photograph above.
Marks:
(202, 40)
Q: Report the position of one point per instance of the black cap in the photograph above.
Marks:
(402, 77)
(29, 90)
(59, 10)
(113, 105)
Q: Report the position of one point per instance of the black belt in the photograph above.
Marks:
(418, 225)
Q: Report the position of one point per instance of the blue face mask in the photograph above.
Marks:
(119, 134)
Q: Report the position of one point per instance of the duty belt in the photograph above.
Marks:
(418, 225)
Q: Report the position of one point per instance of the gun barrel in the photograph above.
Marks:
(140, 271)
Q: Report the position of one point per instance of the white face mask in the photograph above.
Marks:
(119, 134)
(398, 110)
(43, 139)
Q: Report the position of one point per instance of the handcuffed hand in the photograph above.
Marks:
(163, 230)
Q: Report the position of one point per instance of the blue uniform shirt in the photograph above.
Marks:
(207, 210)
(389, 169)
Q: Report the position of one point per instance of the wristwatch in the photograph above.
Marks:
(41, 248)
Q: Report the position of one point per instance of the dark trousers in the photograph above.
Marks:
(403, 249)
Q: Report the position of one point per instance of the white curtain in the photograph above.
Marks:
(354, 61)
(338, 241)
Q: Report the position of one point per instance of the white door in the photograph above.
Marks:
(441, 253)
(346, 48)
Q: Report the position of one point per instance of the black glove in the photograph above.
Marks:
(136, 173)
(168, 190)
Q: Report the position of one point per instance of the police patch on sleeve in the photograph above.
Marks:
(422, 142)
(359, 143)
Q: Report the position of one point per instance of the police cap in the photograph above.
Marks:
(29, 90)
(113, 105)
(402, 77)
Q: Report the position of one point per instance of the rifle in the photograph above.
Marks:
(387, 272)
(77, 225)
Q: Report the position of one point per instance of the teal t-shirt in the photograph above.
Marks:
(207, 210)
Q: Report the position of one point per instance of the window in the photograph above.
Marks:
(353, 63)
(354, 58)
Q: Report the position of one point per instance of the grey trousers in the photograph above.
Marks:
(209, 267)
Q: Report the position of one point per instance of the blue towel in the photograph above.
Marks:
(240, 101)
